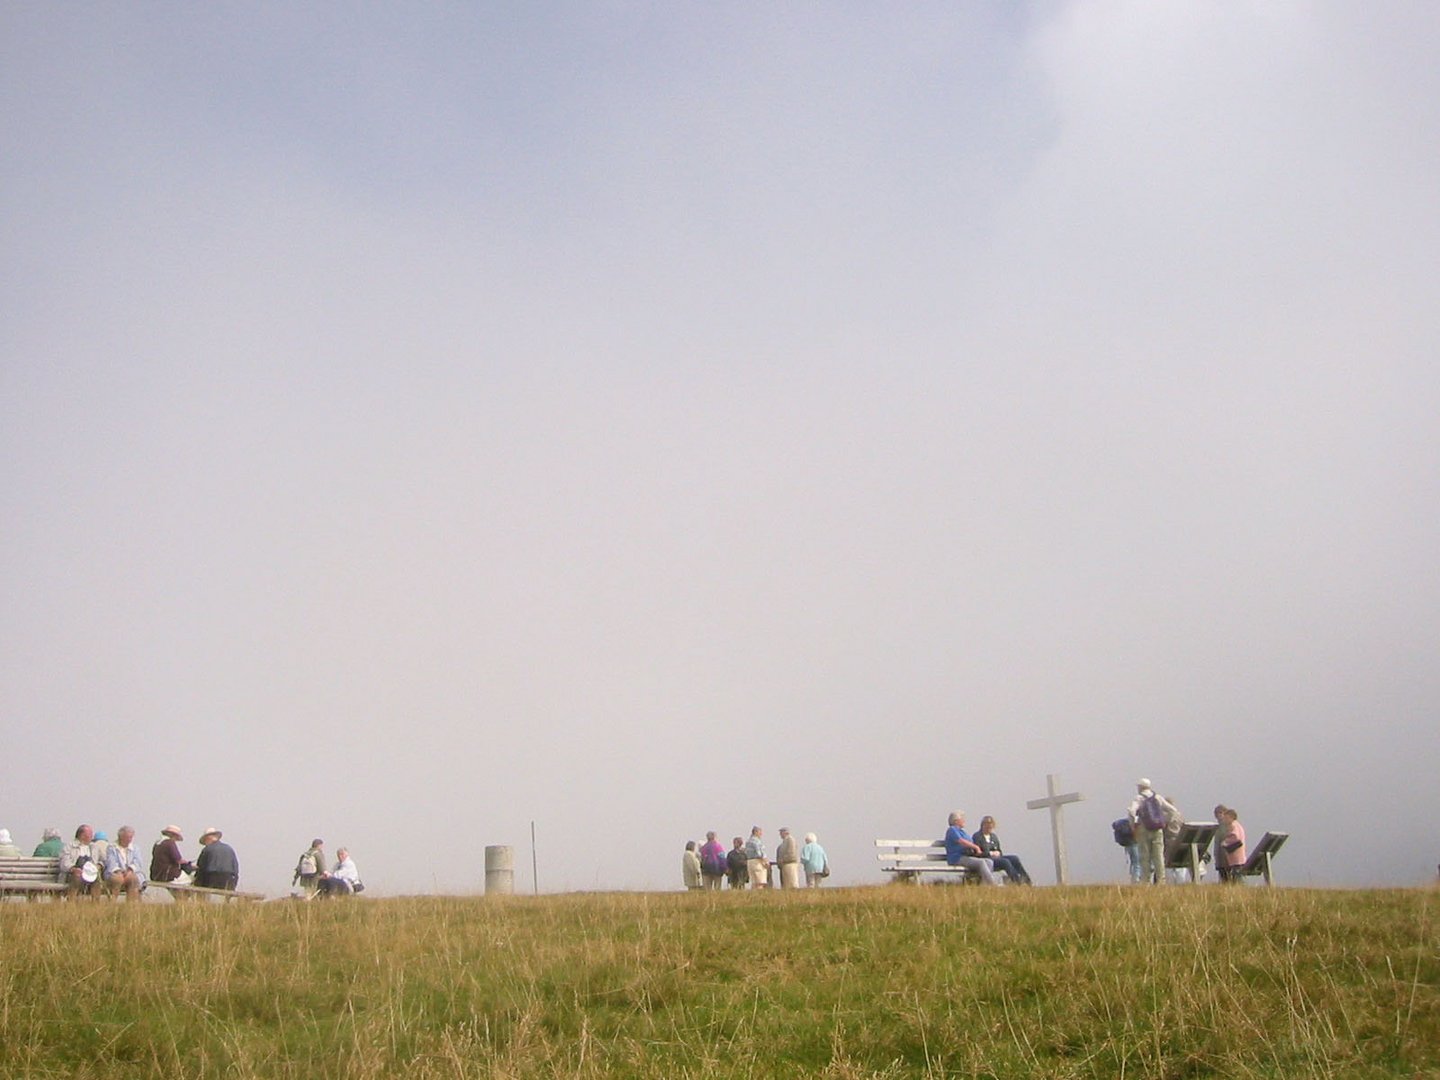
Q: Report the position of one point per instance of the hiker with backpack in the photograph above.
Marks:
(712, 862)
(310, 869)
(1124, 832)
(1149, 813)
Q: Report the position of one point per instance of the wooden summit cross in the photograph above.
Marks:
(1053, 802)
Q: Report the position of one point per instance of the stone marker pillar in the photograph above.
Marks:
(499, 870)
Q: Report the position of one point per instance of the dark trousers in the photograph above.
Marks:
(1011, 865)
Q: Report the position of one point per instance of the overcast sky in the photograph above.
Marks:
(642, 419)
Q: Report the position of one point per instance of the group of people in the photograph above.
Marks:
(1151, 825)
(982, 853)
(94, 865)
(314, 879)
(746, 863)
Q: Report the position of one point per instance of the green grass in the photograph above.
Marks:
(897, 981)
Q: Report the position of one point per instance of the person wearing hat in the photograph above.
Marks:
(166, 862)
(311, 868)
(217, 867)
(8, 850)
(78, 868)
(1149, 814)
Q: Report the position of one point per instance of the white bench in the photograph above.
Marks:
(30, 877)
(911, 859)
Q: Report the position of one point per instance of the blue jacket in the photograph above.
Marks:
(954, 849)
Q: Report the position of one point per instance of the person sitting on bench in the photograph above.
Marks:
(79, 869)
(990, 845)
(960, 850)
(218, 867)
(123, 872)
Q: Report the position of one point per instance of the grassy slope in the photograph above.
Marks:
(885, 981)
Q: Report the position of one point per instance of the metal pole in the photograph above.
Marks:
(534, 863)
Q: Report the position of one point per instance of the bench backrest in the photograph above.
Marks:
(1200, 834)
(1269, 844)
(911, 851)
(30, 869)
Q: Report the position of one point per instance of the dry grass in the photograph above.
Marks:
(894, 981)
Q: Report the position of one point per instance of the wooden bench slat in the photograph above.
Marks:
(175, 887)
(910, 843)
(912, 858)
(925, 860)
(30, 875)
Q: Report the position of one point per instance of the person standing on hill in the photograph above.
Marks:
(218, 866)
(1124, 831)
(1232, 850)
(1149, 814)
(1218, 844)
(712, 862)
(310, 868)
(690, 867)
(737, 865)
(787, 859)
(813, 859)
(755, 859)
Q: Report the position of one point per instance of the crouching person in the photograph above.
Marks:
(123, 869)
(344, 879)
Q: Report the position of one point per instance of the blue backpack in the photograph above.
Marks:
(1124, 832)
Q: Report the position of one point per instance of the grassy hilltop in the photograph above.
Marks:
(933, 981)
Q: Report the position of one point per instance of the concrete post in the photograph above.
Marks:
(499, 870)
